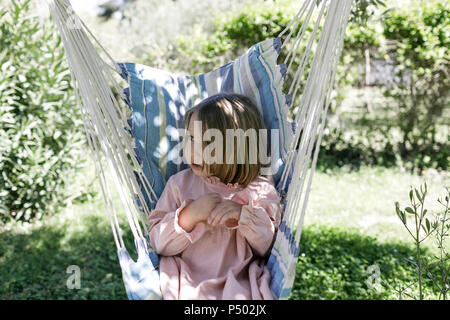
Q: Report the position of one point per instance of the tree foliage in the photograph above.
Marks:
(40, 127)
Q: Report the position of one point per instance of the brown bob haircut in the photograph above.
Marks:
(224, 111)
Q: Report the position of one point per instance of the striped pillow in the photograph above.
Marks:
(159, 100)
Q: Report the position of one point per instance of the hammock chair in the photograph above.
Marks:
(141, 152)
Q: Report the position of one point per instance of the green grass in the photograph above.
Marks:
(335, 264)
(34, 258)
(350, 225)
(364, 199)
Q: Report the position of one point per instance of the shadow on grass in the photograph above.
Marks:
(332, 264)
(33, 265)
(353, 157)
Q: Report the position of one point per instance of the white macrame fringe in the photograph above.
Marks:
(104, 121)
(313, 106)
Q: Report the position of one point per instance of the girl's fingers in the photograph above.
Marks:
(217, 197)
(220, 215)
(225, 217)
(219, 218)
(222, 212)
(214, 214)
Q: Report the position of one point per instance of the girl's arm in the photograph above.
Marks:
(166, 235)
(260, 218)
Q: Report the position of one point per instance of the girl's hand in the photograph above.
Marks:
(227, 213)
(203, 205)
(198, 210)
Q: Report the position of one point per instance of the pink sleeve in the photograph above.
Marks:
(166, 235)
(260, 218)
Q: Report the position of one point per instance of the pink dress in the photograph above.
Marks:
(215, 262)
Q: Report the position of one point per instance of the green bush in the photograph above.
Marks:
(234, 32)
(402, 119)
(40, 128)
(231, 35)
(419, 45)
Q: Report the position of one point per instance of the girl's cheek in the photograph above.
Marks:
(187, 151)
(192, 154)
(197, 154)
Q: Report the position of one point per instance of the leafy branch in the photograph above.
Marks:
(420, 228)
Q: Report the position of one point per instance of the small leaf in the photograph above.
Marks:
(403, 218)
(409, 210)
(418, 195)
(427, 223)
(397, 207)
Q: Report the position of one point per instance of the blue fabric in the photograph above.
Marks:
(141, 277)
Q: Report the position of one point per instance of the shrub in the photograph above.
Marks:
(40, 136)
(396, 113)
(235, 31)
(231, 35)
(419, 45)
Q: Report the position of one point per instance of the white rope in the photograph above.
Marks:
(102, 115)
(342, 24)
(116, 86)
(313, 93)
(297, 19)
(87, 124)
(306, 54)
(89, 83)
(291, 54)
(327, 57)
(302, 111)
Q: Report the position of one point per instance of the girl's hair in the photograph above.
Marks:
(231, 111)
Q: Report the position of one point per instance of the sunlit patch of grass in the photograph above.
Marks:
(364, 199)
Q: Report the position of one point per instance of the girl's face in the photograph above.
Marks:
(193, 154)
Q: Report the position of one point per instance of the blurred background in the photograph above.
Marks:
(387, 130)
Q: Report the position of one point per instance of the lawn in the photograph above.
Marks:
(350, 225)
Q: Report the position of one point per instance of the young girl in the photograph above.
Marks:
(215, 222)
